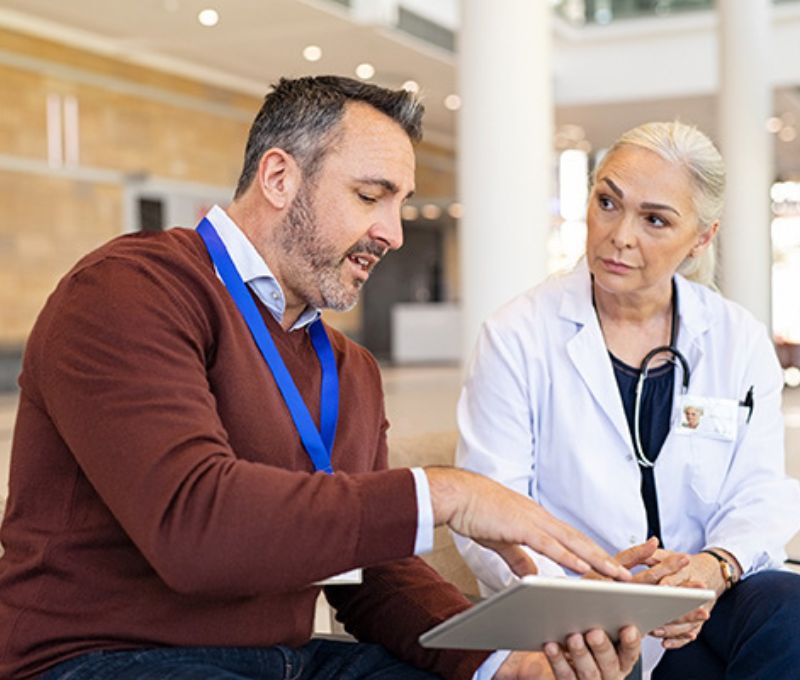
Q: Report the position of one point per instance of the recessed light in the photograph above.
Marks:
(787, 134)
(452, 102)
(411, 86)
(409, 212)
(365, 71)
(312, 53)
(208, 17)
(774, 124)
(431, 211)
(455, 210)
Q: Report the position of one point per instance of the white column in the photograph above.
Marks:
(745, 103)
(505, 149)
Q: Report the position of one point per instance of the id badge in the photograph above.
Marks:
(708, 417)
(348, 578)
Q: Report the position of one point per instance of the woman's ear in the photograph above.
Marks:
(705, 239)
(278, 178)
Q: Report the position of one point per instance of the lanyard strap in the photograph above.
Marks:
(318, 446)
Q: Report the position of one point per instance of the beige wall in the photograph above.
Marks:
(134, 122)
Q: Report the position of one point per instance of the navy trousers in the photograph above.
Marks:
(753, 633)
(320, 659)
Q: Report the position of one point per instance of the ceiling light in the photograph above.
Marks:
(787, 134)
(455, 210)
(208, 17)
(431, 211)
(774, 124)
(365, 71)
(452, 102)
(312, 53)
(791, 376)
(411, 86)
(409, 213)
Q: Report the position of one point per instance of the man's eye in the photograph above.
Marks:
(367, 199)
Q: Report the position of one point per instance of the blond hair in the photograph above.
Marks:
(685, 146)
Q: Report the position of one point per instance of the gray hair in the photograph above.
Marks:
(685, 146)
(300, 116)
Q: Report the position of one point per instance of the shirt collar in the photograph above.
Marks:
(254, 270)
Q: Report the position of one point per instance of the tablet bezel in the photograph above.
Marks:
(537, 609)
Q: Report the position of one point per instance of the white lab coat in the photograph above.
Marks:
(540, 412)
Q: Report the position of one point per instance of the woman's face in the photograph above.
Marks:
(642, 223)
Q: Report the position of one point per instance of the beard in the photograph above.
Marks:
(316, 266)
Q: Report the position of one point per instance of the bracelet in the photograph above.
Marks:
(729, 574)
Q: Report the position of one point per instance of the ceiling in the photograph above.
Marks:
(257, 41)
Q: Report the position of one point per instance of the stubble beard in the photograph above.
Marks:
(315, 266)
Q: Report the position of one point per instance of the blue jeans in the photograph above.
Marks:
(319, 659)
(753, 633)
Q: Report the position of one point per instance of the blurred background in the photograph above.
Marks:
(123, 115)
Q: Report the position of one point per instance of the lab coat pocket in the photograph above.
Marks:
(709, 466)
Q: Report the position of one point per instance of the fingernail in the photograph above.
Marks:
(658, 632)
(551, 649)
(583, 567)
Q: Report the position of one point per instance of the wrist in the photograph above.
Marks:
(728, 571)
(445, 494)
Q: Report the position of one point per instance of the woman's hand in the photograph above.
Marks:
(669, 568)
(701, 571)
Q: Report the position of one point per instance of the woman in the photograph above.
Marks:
(550, 408)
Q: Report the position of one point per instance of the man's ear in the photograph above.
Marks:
(278, 178)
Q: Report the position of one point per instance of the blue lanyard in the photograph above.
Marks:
(318, 446)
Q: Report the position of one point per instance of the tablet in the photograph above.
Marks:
(536, 610)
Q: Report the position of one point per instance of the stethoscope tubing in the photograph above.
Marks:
(644, 368)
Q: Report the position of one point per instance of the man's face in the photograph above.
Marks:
(348, 217)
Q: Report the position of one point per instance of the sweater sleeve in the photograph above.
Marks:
(398, 602)
(119, 365)
(407, 593)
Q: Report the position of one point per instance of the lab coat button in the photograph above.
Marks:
(632, 539)
(629, 457)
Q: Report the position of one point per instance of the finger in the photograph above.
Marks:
(558, 662)
(676, 630)
(629, 648)
(699, 615)
(638, 554)
(673, 564)
(677, 643)
(563, 542)
(605, 655)
(518, 560)
(582, 659)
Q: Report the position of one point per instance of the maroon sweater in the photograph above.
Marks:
(160, 494)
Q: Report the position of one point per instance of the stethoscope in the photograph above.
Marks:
(676, 358)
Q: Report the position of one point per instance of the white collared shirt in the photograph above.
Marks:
(257, 275)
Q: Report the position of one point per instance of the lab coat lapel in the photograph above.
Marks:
(694, 320)
(587, 349)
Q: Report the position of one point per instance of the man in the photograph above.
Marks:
(165, 518)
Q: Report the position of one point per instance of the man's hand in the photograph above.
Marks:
(583, 656)
(503, 520)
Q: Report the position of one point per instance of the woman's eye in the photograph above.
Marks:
(605, 202)
(656, 221)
